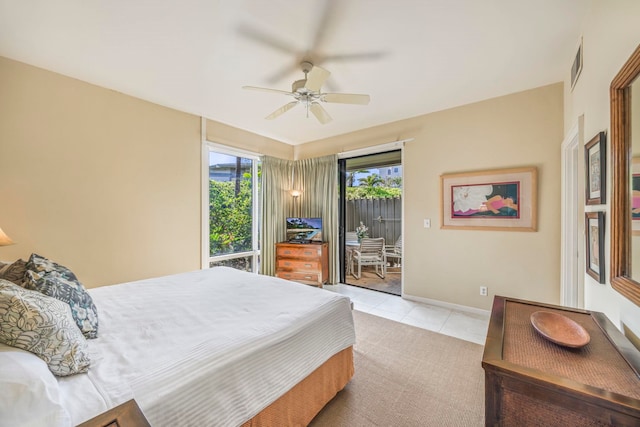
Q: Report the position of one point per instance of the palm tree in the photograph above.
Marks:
(394, 182)
(351, 176)
(373, 180)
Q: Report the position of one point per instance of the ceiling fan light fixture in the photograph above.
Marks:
(308, 92)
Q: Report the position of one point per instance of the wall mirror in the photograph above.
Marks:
(625, 199)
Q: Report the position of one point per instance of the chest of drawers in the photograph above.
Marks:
(304, 263)
(532, 381)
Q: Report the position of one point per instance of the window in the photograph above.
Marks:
(232, 179)
(395, 170)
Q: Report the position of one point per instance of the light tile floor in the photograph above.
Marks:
(460, 324)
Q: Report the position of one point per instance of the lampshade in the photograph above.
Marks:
(4, 239)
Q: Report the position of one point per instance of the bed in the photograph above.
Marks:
(212, 347)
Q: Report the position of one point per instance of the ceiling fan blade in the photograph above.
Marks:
(324, 25)
(320, 113)
(267, 39)
(354, 57)
(346, 98)
(265, 89)
(316, 77)
(283, 72)
(282, 110)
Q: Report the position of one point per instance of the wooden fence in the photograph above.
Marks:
(382, 216)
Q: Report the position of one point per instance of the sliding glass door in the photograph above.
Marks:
(371, 207)
(233, 183)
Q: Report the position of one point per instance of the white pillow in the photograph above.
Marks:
(29, 394)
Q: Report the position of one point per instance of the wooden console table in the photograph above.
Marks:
(530, 381)
(304, 263)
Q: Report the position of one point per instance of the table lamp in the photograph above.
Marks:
(4, 239)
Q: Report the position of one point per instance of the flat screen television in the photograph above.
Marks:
(304, 230)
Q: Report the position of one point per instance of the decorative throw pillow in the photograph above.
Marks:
(14, 272)
(44, 326)
(57, 281)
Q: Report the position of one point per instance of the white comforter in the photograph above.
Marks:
(209, 347)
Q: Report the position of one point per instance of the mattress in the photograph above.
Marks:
(209, 347)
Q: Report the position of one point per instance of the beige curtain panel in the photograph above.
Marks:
(318, 180)
(276, 205)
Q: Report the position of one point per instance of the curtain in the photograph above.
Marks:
(276, 205)
(318, 180)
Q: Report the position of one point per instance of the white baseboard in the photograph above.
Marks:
(448, 305)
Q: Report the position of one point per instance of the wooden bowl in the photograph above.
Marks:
(559, 329)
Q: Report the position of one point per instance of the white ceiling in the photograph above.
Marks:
(416, 56)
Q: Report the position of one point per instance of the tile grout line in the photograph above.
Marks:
(445, 321)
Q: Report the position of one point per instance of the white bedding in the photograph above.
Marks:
(209, 347)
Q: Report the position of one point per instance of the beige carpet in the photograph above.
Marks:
(407, 376)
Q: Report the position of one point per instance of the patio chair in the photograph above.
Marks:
(351, 243)
(370, 252)
(394, 253)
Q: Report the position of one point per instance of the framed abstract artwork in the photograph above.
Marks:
(594, 239)
(501, 199)
(635, 196)
(576, 67)
(595, 167)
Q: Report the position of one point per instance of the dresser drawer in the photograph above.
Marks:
(306, 251)
(311, 278)
(299, 265)
(305, 263)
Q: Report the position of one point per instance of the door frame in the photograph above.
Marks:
(342, 157)
(571, 281)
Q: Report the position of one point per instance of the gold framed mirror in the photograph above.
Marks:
(625, 242)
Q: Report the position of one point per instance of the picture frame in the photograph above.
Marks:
(635, 196)
(594, 240)
(499, 199)
(576, 66)
(595, 156)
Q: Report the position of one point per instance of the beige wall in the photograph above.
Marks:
(110, 185)
(106, 184)
(610, 34)
(523, 129)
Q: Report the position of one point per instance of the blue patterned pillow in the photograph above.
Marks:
(42, 325)
(57, 281)
(14, 272)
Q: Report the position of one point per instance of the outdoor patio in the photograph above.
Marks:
(370, 280)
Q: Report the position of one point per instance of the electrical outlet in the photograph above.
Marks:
(427, 223)
(483, 291)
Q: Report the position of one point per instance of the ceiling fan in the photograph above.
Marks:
(307, 92)
(325, 18)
